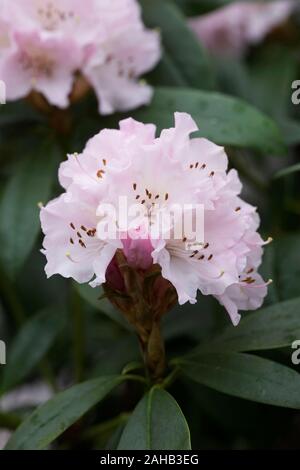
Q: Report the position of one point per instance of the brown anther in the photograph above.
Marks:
(203, 166)
(104, 162)
(206, 245)
(79, 235)
(82, 244)
(72, 225)
(134, 186)
(91, 232)
(166, 196)
(72, 241)
(237, 209)
(210, 257)
(212, 173)
(83, 228)
(248, 280)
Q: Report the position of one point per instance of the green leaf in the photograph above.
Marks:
(197, 7)
(31, 344)
(184, 62)
(18, 112)
(157, 423)
(261, 82)
(291, 131)
(50, 420)
(223, 119)
(287, 171)
(94, 296)
(273, 327)
(116, 356)
(246, 376)
(270, 85)
(30, 184)
(282, 264)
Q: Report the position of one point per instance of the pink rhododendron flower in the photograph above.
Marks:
(229, 30)
(47, 43)
(155, 174)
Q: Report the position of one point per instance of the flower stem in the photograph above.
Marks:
(168, 381)
(153, 350)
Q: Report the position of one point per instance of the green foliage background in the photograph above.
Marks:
(226, 387)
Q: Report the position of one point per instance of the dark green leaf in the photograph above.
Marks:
(282, 265)
(18, 112)
(223, 119)
(246, 376)
(273, 327)
(157, 423)
(288, 171)
(31, 344)
(94, 296)
(197, 7)
(261, 82)
(30, 184)
(184, 63)
(117, 355)
(51, 419)
(291, 131)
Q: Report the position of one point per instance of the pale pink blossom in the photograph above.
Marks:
(231, 29)
(51, 42)
(156, 173)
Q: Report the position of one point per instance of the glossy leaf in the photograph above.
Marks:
(246, 376)
(157, 423)
(282, 265)
(50, 420)
(31, 344)
(30, 184)
(184, 62)
(273, 327)
(288, 171)
(95, 297)
(223, 119)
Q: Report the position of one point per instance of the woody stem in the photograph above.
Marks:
(153, 350)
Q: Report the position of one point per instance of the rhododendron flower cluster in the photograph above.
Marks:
(45, 44)
(229, 30)
(156, 173)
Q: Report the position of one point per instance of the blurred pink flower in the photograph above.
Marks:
(49, 42)
(229, 30)
(156, 173)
